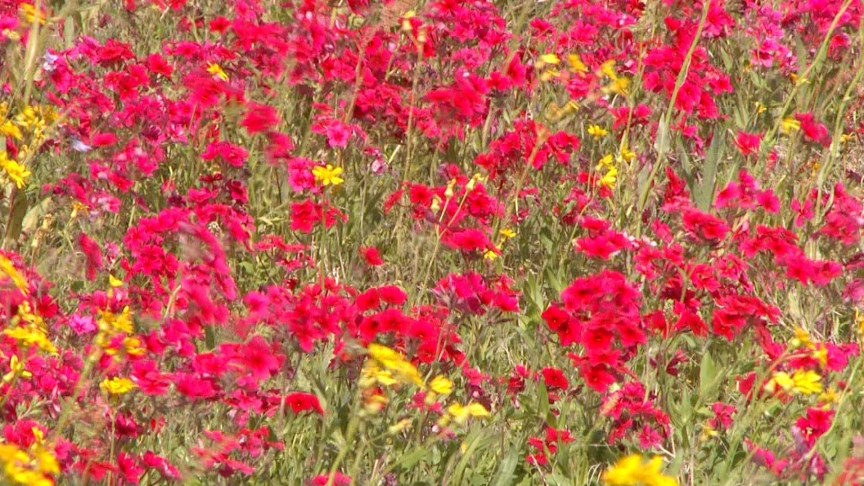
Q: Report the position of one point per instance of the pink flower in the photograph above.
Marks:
(82, 324)
(338, 134)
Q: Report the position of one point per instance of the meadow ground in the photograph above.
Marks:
(443, 242)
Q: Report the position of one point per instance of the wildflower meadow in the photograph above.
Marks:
(431, 242)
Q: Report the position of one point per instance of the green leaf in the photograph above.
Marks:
(475, 441)
(209, 337)
(661, 145)
(409, 460)
(556, 479)
(542, 399)
(507, 468)
(704, 191)
(707, 374)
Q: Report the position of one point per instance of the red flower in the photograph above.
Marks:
(257, 359)
(304, 216)
(339, 479)
(371, 255)
(704, 225)
(93, 254)
(192, 386)
(748, 143)
(161, 465)
(103, 139)
(469, 240)
(149, 379)
(302, 402)
(259, 118)
(814, 130)
(367, 300)
(554, 379)
(392, 294)
(598, 378)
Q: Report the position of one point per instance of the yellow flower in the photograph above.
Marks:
(77, 207)
(327, 175)
(436, 204)
(374, 403)
(30, 13)
(627, 155)
(383, 354)
(31, 335)
(9, 269)
(117, 385)
(10, 34)
(46, 461)
(16, 368)
(216, 69)
(708, 433)
(29, 467)
(550, 59)
(114, 282)
(108, 321)
(133, 346)
(781, 379)
(405, 371)
(406, 20)
(477, 410)
(801, 339)
(473, 182)
(608, 68)
(804, 382)
(507, 233)
(821, 354)
(626, 471)
(597, 131)
(549, 75)
(10, 129)
(11, 453)
(441, 385)
(16, 172)
(807, 382)
(795, 79)
(619, 84)
(372, 375)
(402, 369)
(30, 118)
(399, 426)
(448, 193)
(790, 124)
(461, 414)
(609, 178)
(576, 64)
(490, 255)
(634, 470)
(25, 476)
(828, 397)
